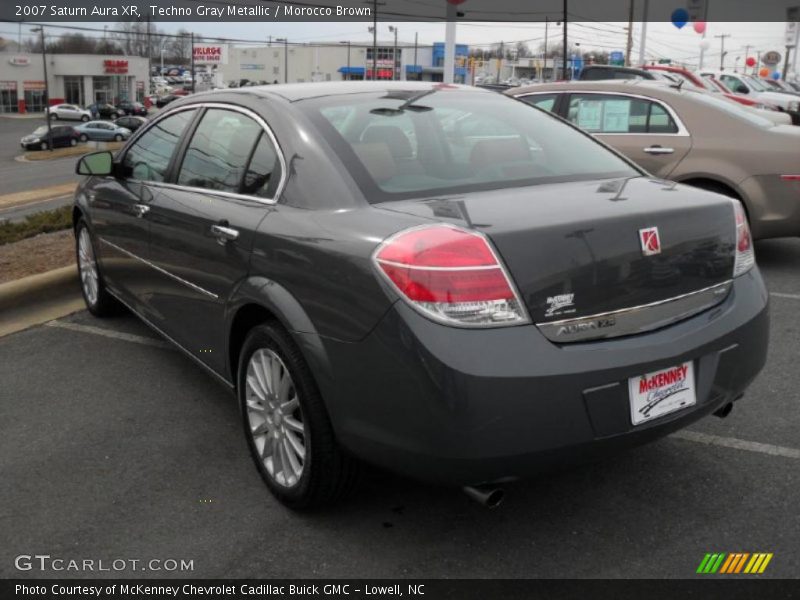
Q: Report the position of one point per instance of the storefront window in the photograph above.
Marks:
(112, 88)
(8, 97)
(34, 100)
(73, 90)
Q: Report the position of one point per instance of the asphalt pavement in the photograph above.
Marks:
(115, 446)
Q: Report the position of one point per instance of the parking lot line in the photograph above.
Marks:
(727, 442)
(782, 295)
(118, 335)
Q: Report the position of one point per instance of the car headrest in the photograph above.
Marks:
(393, 136)
(378, 160)
(487, 153)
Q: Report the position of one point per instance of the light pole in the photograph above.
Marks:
(285, 58)
(348, 58)
(40, 30)
(394, 53)
(374, 31)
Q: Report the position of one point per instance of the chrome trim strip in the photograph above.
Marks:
(197, 288)
(682, 130)
(636, 319)
(221, 105)
(171, 340)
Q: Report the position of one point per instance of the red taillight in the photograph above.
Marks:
(790, 177)
(451, 275)
(745, 257)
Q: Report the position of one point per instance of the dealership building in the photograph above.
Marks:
(74, 78)
(336, 62)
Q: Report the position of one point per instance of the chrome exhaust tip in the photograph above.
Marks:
(489, 497)
(724, 410)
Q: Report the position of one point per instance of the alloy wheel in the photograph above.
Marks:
(275, 417)
(87, 267)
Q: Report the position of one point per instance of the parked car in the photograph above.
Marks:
(132, 108)
(60, 135)
(103, 110)
(164, 100)
(133, 122)
(739, 83)
(102, 131)
(606, 72)
(693, 138)
(68, 112)
(449, 283)
(707, 84)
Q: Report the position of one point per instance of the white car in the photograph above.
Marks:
(739, 83)
(69, 112)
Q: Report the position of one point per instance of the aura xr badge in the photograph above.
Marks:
(651, 243)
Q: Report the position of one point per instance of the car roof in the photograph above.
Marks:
(294, 92)
(656, 88)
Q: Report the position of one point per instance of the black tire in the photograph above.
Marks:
(329, 473)
(43, 146)
(84, 137)
(105, 305)
(53, 116)
(84, 118)
(118, 138)
(73, 142)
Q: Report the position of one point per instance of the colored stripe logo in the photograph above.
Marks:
(734, 563)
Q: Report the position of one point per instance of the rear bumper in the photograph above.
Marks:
(461, 406)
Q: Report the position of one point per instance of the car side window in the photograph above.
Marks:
(598, 113)
(660, 120)
(732, 83)
(264, 171)
(217, 154)
(544, 101)
(148, 158)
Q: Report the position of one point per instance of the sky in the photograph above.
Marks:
(663, 40)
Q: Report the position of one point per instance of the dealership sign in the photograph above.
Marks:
(771, 58)
(115, 66)
(20, 61)
(205, 54)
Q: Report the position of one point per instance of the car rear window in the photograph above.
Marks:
(400, 144)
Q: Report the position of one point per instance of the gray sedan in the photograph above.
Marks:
(434, 278)
(102, 131)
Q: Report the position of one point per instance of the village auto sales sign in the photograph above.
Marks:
(205, 54)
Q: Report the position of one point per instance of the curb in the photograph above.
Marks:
(45, 287)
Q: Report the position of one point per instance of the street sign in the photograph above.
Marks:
(665, 61)
(771, 58)
(616, 57)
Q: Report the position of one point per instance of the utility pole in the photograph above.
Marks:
(374, 39)
(348, 59)
(746, 56)
(705, 31)
(544, 58)
(786, 60)
(191, 49)
(643, 33)
(46, 90)
(629, 45)
(393, 29)
(564, 43)
(285, 58)
(416, 34)
(450, 43)
(722, 37)
(149, 55)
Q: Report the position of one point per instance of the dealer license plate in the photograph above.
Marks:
(661, 392)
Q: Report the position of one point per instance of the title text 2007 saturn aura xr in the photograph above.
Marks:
(436, 279)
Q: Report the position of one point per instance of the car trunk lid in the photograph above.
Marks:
(578, 252)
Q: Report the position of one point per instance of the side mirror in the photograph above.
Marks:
(96, 163)
(742, 89)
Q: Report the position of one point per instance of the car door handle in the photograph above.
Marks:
(140, 210)
(224, 234)
(659, 150)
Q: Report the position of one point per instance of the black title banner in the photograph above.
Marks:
(391, 10)
(354, 589)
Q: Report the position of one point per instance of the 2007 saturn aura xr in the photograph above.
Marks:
(436, 279)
